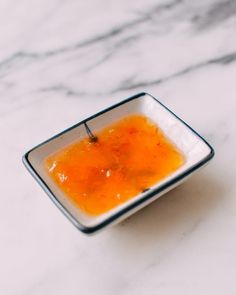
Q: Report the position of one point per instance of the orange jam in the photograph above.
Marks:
(129, 157)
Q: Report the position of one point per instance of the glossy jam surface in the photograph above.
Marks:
(128, 158)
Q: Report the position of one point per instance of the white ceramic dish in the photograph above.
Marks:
(196, 150)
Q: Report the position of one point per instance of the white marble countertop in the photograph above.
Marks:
(61, 61)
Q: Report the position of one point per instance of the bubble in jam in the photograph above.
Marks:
(128, 158)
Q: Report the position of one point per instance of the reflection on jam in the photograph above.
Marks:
(129, 157)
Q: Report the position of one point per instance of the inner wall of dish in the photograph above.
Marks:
(186, 141)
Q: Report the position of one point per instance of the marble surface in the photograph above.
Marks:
(61, 61)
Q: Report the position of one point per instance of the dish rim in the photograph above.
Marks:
(116, 215)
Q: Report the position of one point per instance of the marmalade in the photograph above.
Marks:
(127, 158)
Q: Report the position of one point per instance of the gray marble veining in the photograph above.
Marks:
(61, 61)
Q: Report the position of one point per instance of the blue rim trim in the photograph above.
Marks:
(115, 216)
